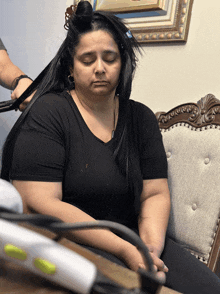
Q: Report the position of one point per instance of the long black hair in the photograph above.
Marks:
(55, 75)
(85, 20)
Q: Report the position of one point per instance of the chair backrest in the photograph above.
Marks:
(191, 136)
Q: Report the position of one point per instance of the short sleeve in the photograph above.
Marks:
(153, 159)
(2, 47)
(39, 152)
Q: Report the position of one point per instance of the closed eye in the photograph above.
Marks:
(110, 60)
(110, 57)
(88, 62)
(107, 60)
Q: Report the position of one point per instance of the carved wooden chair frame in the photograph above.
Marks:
(206, 112)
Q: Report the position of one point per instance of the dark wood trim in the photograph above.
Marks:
(201, 114)
(214, 258)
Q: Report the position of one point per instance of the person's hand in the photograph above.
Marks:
(159, 265)
(131, 256)
(134, 260)
(23, 84)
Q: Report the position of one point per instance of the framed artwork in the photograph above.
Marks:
(121, 6)
(151, 21)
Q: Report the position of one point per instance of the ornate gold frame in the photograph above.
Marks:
(126, 6)
(171, 26)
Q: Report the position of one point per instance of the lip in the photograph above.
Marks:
(100, 82)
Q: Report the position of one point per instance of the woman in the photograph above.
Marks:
(84, 151)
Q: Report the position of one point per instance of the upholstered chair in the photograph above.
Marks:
(191, 136)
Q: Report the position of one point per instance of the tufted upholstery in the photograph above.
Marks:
(191, 136)
(193, 158)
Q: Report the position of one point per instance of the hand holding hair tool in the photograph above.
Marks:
(14, 104)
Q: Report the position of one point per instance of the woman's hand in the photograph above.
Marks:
(158, 263)
(132, 257)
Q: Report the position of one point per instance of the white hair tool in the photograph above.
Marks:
(39, 254)
(9, 197)
(46, 258)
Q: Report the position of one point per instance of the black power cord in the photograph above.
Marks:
(149, 281)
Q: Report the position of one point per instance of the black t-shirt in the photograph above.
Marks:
(102, 179)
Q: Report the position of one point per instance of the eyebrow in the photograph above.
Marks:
(93, 52)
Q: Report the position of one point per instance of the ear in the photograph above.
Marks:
(71, 70)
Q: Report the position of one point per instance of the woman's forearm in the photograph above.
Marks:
(46, 198)
(99, 238)
(153, 218)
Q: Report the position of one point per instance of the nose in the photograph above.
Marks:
(99, 66)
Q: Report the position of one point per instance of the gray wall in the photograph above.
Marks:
(31, 31)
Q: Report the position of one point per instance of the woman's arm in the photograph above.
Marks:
(154, 216)
(46, 198)
(8, 73)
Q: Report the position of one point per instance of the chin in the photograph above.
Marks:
(103, 91)
(101, 94)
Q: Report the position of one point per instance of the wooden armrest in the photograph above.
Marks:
(214, 259)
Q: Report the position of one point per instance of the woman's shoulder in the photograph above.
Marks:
(49, 103)
(141, 110)
(50, 109)
(52, 99)
(144, 121)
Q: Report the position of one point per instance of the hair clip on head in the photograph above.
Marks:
(129, 34)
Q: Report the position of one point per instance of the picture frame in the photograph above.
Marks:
(156, 21)
(126, 6)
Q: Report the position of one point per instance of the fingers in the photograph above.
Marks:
(160, 274)
(141, 265)
(159, 264)
(162, 267)
(13, 96)
(21, 87)
(24, 104)
(156, 260)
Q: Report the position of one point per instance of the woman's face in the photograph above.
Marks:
(97, 64)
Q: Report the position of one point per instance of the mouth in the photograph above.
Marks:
(100, 82)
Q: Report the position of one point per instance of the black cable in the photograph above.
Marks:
(149, 280)
(126, 233)
(57, 226)
(103, 285)
(108, 288)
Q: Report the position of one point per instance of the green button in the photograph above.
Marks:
(15, 252)
(45, 266)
